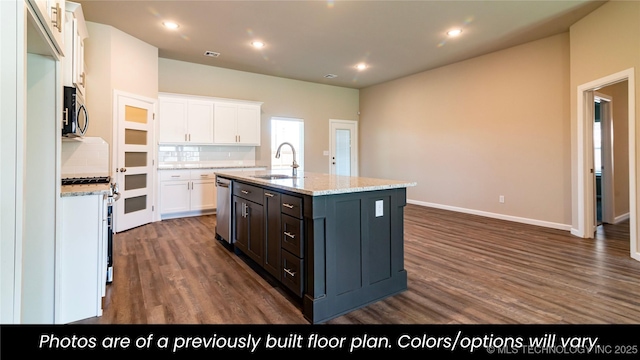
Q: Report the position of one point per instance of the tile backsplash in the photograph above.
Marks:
(87, 156)
(215, 155)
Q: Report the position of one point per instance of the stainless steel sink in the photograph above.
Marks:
(274, 176)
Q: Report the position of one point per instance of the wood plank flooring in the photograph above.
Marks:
(462, 269)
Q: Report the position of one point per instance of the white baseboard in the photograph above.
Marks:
(621, 218)
(187, 214)
(542, 223)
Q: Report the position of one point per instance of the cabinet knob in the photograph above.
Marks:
(121, 170)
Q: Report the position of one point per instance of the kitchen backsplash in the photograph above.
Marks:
(87, 156)
(215, 155)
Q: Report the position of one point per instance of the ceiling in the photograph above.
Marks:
(306, 40)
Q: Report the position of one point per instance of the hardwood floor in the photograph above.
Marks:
(462, 269)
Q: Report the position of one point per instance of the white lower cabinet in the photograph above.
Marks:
(187, 192)
(82, 265)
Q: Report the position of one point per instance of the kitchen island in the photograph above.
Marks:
(335, 242)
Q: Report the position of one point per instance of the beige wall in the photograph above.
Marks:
(315, 103)
(472, 131)
(620, 101)
(604, 42)
(115, 61)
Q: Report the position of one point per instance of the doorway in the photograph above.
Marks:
(133, 154)
(343, 142)
(603, 158)
(585, 184)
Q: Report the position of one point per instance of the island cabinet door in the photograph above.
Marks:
(240, 224)
(249, 228)
(272, 233)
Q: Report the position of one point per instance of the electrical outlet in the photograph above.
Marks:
(379, 208)
(501, 199)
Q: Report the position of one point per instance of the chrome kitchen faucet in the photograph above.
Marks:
(295, 164)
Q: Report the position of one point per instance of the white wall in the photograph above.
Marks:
(115, 61)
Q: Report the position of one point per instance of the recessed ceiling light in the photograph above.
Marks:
(361, 66)
(454, 32)
(170, 25)
(258, 44)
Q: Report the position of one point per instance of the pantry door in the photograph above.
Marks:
(133, 160)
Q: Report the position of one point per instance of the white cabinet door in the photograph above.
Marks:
(225, 124)
(203, 194)
(78, 57)
(81, 273)
(51, 14)
(172, 115)
(75, 31)
(174, 196)
(249, 125)
(236, 124)
(200, 121)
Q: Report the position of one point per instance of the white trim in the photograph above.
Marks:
(546, 224)
(621, 218)
(582, 174)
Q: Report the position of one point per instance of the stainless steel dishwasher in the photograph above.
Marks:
(223, 210)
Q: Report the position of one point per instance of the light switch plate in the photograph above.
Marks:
(379, 208)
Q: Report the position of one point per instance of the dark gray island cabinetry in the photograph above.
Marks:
(336, 242)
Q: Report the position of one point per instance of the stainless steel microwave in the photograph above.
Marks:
(75, 118)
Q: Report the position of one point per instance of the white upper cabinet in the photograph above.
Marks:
(51, 13)
(185, 120)
(210, 121)
(237, 123)
(200, 121)
(75, 35)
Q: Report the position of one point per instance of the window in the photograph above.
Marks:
(289, 130)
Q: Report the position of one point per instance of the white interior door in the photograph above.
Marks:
(133, 160)
(344, 147)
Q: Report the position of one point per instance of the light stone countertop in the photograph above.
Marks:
(84, 189)
(317, 184)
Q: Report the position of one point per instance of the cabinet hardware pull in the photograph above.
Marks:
(268, 194)
(57, 22)
(175, 175)
(204, 175)
(244, 192)
(189, 137)
(287, 205)
(185, 137)
(289, 234)
(292, 273)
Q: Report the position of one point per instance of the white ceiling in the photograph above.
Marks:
(308, 39)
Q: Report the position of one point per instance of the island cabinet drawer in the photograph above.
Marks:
(292, 205)
(249, 192)
(292, 272)
(292, 235)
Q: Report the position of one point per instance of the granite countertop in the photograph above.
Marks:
(204, 166)
(84, 189)
(317, 184)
